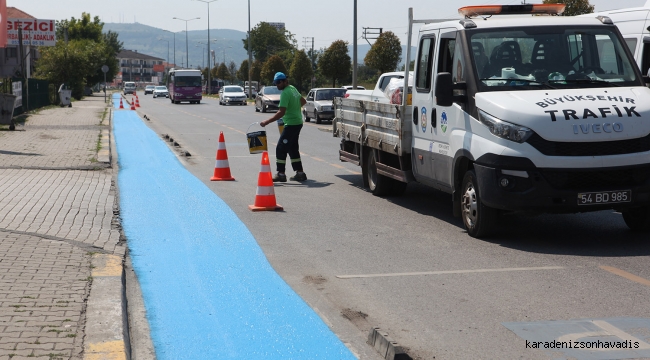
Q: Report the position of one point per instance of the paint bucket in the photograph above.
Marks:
(256, 140)
(281, 126)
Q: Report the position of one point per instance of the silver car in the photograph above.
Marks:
(160, 91)
(232, 94)
(320, 104)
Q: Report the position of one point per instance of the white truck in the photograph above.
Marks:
(376, 94)
(535, 114)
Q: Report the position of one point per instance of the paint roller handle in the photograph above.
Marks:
(249, 126)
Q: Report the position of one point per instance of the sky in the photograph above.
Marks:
(325, 21)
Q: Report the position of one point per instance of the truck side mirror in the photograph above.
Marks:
(444, 89)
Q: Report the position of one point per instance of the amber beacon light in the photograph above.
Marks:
(532, 9)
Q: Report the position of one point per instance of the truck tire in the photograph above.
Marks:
(479, 219)
(378, 184)
(638, 219)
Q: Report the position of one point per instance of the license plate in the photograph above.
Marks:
(604, 197)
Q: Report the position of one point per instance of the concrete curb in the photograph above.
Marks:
(106, 321)
(104, 154)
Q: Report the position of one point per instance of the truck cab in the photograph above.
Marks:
(514, 113)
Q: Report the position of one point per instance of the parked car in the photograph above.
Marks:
(320, 105)
(253, 92)
(267, 99)
(232, 94)
(160, 91)
(350, 87)
(149, 89)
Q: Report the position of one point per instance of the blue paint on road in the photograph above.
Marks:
(208, 289)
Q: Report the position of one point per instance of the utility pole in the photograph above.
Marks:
(311, 55)
(354, 48)
(250, 54)
(209, 67)
(187, 51)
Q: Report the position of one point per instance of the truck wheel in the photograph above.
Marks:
(378, 184)
(307, 119)
(638, 219)
(316, 117)
(478, 219)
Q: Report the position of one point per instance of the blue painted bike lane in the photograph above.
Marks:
(208, 289)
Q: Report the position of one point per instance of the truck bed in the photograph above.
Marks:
(379, 126)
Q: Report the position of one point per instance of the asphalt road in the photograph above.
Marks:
(405, 264)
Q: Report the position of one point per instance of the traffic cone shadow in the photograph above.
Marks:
(265, 196)
(222, 167)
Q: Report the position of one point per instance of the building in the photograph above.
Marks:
(138, 67)
(10, 65)
(279, 26)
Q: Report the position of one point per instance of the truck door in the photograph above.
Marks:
(450, 59)
(423, 167)
(431, 154)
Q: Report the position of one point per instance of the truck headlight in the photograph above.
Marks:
(503, 129)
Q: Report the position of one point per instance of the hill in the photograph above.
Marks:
(145, 39)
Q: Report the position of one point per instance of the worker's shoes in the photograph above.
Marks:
(300, 176)
(280, 178)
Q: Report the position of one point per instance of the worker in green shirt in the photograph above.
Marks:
(289, 110)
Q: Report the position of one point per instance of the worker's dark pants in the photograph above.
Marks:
(288, 144)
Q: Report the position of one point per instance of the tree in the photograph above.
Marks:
(222, 72)
(573, 7)
(242, 73)
(385, 54)
(256, 71)
(69, 63)
(335, 63)
(107, 45)
(232, 70)
(270, 67)
(300, 70)
(267, 40)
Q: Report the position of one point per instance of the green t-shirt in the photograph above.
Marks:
(290, 99)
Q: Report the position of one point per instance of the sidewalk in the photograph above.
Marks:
(60, 249)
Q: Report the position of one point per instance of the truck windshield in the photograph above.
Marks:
(550, 57)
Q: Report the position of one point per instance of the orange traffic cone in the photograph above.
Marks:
(265, 196)
(222, 167)
(132, 104)
(137, 101)
(121, 105)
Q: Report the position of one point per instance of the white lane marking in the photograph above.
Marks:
(444, 272)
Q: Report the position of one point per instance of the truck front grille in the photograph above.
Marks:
(553, 148)
(597, 179)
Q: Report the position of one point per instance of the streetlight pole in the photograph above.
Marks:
(209, 67)
(250, 56)
(187, 48)
(174, 46)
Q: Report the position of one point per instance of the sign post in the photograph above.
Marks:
(104, 70)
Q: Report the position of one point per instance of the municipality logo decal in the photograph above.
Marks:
(443, 122)
(423, 119)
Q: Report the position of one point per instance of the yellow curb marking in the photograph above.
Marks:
(112, 266)
(338, 166)
(111, 350)
(626, 275)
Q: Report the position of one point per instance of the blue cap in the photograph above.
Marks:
(278, 77)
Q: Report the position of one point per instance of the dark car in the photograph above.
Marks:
(267, 99)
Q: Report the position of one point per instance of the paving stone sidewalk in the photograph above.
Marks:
(57, 208)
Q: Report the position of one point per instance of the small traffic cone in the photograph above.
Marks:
(132, 105)
(265, 196)
(222, 167)
(137, 101)
(121, 105)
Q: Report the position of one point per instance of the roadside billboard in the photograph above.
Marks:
(36, 32)
(159, 68)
